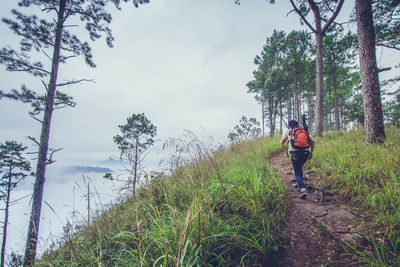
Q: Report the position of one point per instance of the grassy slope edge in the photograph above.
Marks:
(223, 209)
(369, 176)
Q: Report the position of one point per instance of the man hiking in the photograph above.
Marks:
(299, 142)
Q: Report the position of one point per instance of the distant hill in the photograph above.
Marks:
(85, 169)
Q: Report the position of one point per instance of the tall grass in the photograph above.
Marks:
(219, 208)
(368, 175)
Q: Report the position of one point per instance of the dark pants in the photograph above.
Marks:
(298, 160)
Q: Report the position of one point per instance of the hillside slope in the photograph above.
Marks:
(228, 208)
(223, 208)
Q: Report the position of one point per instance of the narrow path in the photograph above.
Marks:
(317, 226)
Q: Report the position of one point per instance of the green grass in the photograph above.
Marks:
(224, 208)
(369, 176)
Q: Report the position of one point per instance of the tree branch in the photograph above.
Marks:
(45, 86)
(33, 117)
(388, 46)
(302, 16)
(50, 158)
(64, 106)
(33, 139)
(67, 26)
(326, 26)
(46, 55)
(63, 59)
(74, 82)
(384, 69)
(16, 200)
(15, 62)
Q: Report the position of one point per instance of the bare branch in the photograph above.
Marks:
(351, 21)
(68, 49)
(44, 52)
(64, 58)
(33, 139)
(45, 86)
(36, 119)
(330, 9)
(75, 82)
(50, 158)
(291, 11)
(384, 69)
(388, 46)
(67, 26)
(64, 106)
(16, 200)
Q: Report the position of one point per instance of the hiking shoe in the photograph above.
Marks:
(303, 193)
(295, 185)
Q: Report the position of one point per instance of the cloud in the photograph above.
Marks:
(85, 169)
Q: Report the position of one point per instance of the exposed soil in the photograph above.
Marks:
(319, 226)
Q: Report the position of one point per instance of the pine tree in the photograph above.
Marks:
(13, 169)
(50, 38)
(373, 114)
(339, 52)
(319, 9)
(137, 136)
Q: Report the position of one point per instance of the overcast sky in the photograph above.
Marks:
(182, 63)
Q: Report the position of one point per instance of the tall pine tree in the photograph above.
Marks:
(13, 169)
(320, 10)
(373, 114)
(50, 37)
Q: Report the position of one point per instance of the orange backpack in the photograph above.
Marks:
(299, 138)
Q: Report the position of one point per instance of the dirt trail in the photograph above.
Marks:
(317, 226)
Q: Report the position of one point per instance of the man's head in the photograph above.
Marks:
(293, 124)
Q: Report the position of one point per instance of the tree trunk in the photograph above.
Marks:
(294, 116)
(136, 166)
(270, 116)
(296, 94)
(319, 78)
(275, 110)
(34, 221)
(337, 120)
(329, 103)
(263, 118)
(281, 120)
(373, 117)
(299, 97)
(310, 114)
(6, 210)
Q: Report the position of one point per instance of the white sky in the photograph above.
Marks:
(183, 63)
